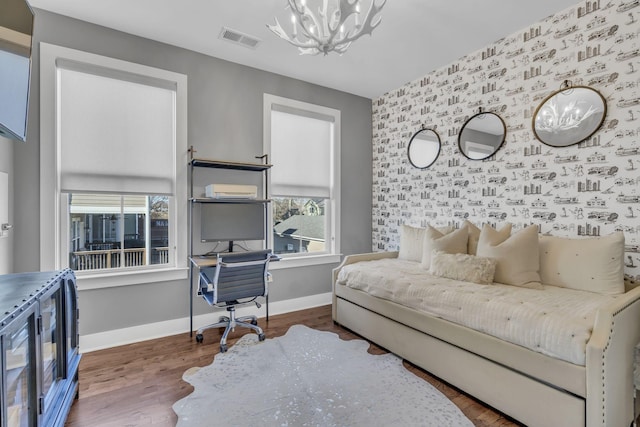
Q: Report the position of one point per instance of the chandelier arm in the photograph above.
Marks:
(280, 32)
(344, 11)
(306, 28)
(368, 25)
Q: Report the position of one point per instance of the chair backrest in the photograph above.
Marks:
(241, 275)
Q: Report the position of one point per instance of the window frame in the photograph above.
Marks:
(54, 205)
(332, 253)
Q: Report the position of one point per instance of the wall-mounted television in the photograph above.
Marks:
(16, 33)
(221, 222)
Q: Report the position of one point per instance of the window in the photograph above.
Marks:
(109, 231)
(303, 142)
(113, 182)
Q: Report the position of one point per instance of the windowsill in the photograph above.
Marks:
(304, 261)
(91, 281)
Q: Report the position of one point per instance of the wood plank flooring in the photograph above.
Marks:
(136, 384)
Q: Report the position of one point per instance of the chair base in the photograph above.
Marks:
(230, 323)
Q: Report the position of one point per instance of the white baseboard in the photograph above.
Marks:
(108, 339)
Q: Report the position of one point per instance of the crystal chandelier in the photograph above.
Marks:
(329, 27)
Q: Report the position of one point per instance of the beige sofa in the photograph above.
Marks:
(534, 388)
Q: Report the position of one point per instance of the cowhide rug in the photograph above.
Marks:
(310, 378)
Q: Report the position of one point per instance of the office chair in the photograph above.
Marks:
(238, 278)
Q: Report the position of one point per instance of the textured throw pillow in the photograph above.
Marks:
(411, 241)
(452, 243)
(517, 256)
(463, 267)
(594, 264)
(474, 235)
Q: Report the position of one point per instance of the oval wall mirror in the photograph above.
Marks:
(424, 148)
(481, 136)
(569, 116)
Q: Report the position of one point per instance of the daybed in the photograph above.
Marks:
(555, 353)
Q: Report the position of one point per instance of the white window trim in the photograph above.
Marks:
(53, 214)
(333, 254)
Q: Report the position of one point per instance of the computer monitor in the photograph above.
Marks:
(232, 221)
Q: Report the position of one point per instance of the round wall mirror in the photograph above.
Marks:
(481, 136)
(569, 116)
(424, 148)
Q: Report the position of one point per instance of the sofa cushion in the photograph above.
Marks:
(518, 259)
(554, 321)
(451, 243)
(412, 241)
(465, 267)
(594, 264)
(474, 235)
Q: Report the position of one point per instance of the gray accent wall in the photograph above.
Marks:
(225, 121)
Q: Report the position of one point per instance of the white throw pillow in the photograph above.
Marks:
(463, 267)
(474, 235)
(452, 243)
(517, 256)
(411, 241)
(594, 264)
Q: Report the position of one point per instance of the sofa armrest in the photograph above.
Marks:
(610, 360)
(352, 259)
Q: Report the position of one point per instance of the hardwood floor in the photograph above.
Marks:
(136, 384)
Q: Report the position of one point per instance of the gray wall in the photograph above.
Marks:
(225, 121)
(6, 243)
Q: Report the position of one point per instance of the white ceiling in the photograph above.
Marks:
(414, 38)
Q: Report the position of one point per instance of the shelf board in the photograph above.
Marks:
(223, 164)
(231, 200)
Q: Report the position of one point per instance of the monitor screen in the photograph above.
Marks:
(232, 221)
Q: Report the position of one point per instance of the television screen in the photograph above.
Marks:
(16, 30)
(232, 221)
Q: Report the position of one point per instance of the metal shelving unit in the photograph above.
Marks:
(199, 163)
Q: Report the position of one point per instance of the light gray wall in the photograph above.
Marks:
(225, 121)
(6, 243)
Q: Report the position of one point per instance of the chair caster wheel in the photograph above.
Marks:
(223, 348)
(261, 337)
(254, 322)
(199, 338)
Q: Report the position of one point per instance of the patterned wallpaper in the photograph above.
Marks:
(589, 189)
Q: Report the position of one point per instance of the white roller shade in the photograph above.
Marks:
(301, 155)
(116, 135)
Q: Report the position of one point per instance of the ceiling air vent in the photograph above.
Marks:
(237, 37)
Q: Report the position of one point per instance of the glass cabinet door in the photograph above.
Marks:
(18, 346)
(71, 322)
(51, 342)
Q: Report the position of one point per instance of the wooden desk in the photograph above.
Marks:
(201, 261)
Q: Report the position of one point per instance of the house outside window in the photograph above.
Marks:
(112, 231)
(113, 187)
(303, 142)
